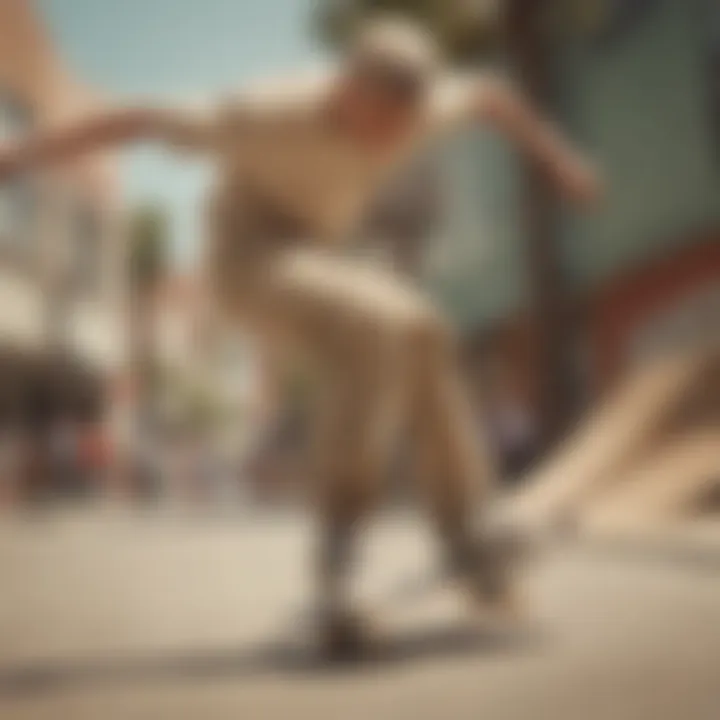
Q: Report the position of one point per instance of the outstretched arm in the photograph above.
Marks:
(493, 100)
(107, 130)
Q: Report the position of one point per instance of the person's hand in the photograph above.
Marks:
(580, 182)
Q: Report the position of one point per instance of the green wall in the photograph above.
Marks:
(640, 107)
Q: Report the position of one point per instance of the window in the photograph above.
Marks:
(17, 213)
(86, 242)
(15, 117)
(17, 199)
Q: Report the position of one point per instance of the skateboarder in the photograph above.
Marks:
(296, 164)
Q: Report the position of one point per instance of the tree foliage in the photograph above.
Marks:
(147, 263)
(148, 247)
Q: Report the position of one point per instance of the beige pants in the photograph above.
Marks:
(386, 364)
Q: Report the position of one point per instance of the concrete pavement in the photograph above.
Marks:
(118, 616)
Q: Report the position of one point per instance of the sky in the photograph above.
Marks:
(176, 49)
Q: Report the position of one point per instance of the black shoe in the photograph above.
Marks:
(488, 567)
(344, 637)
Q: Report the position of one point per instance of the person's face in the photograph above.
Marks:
(379, 115)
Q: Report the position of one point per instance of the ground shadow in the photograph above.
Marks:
(278, 657)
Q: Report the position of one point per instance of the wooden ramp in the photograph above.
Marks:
(615, 458)
(675, 481)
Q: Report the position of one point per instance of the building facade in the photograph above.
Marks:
(62, 328)
(638, 88)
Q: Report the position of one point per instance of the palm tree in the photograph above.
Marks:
(532, 31)
(147, 261)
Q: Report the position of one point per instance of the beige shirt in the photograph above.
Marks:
(277, 141)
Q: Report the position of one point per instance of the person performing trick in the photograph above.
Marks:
(297, 163)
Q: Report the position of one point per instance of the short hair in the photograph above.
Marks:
(397, 53)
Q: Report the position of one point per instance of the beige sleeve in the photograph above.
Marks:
(190, 128)
(271, 103)
(235, 118)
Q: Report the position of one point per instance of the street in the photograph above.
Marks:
(118, 615)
